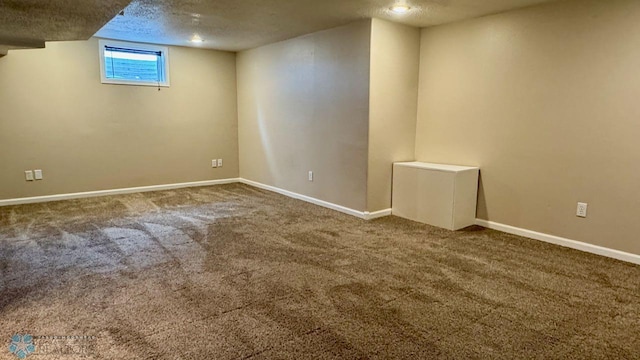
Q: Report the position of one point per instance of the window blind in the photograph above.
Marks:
(133, 64)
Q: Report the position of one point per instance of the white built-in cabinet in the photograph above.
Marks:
(435, 194)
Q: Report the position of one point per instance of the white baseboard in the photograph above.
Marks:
(573, 244)
(590, 248)
(361, 214)
(47, 198)
(376, 214)
(39, 199)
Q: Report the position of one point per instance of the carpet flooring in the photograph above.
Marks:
(234, 272)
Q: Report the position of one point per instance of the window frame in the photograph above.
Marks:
(164, 50)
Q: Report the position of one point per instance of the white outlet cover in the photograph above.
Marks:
(214, 163)
(581, 211)
(28, 175)
(219, 162)
(310, 175)
(38, 174)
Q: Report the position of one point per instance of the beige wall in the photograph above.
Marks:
(55, 115)
(303, 105)
(545, 101)
(395, 57)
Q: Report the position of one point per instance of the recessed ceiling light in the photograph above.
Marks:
(196, 39)
(400, 9)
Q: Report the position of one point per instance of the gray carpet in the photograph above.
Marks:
(233, 272)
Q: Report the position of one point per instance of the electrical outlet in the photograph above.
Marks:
(37, 174)
(582, 210)
(214, 163)
(28, 175)
(219, 162)
(310, 175)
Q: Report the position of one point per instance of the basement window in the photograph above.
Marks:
(127, 63)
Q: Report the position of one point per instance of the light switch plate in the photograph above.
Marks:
(37, 174)
(219, 162)
(214, 163)
(28, 175)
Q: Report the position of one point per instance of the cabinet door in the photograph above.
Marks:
(424, 195)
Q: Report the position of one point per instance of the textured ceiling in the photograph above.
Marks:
(29, 23)
(242, 24)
